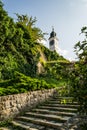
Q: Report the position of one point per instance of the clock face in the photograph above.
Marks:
(52, 43)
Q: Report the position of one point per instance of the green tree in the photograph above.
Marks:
(28, 23)
(78, 73)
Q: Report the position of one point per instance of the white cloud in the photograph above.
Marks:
(70, 59)
(44, 42)
(62, 52)
(66, 54)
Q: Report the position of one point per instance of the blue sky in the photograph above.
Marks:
(67, 17)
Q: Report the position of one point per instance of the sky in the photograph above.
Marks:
(66, 16)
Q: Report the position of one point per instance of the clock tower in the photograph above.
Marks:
(53, 41)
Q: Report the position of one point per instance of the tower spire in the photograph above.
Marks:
(53, 28)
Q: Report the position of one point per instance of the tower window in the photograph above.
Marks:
(51, 42)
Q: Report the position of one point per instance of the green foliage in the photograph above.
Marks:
(5, 123)
(83, 126)
(22, 83)
(18, 48)
(78, 74)
(51, 55)
(28, 25)
(20, 54)
(54, 68)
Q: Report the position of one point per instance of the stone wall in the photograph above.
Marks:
(12, 105)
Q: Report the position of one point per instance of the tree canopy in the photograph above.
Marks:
(78, 73)
(20, 51)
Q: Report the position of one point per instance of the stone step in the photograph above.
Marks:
(26, 126)
(3, 128)
(61, 102)
(50, 117)
(61, 105)
(59, 109)
(45, 111)
(29, 126)
(61, 97)
(42, 122)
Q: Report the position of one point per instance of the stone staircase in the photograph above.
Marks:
(51, 115)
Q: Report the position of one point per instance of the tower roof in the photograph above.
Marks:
(52, 34)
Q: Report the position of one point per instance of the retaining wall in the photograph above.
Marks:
(12, 105)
